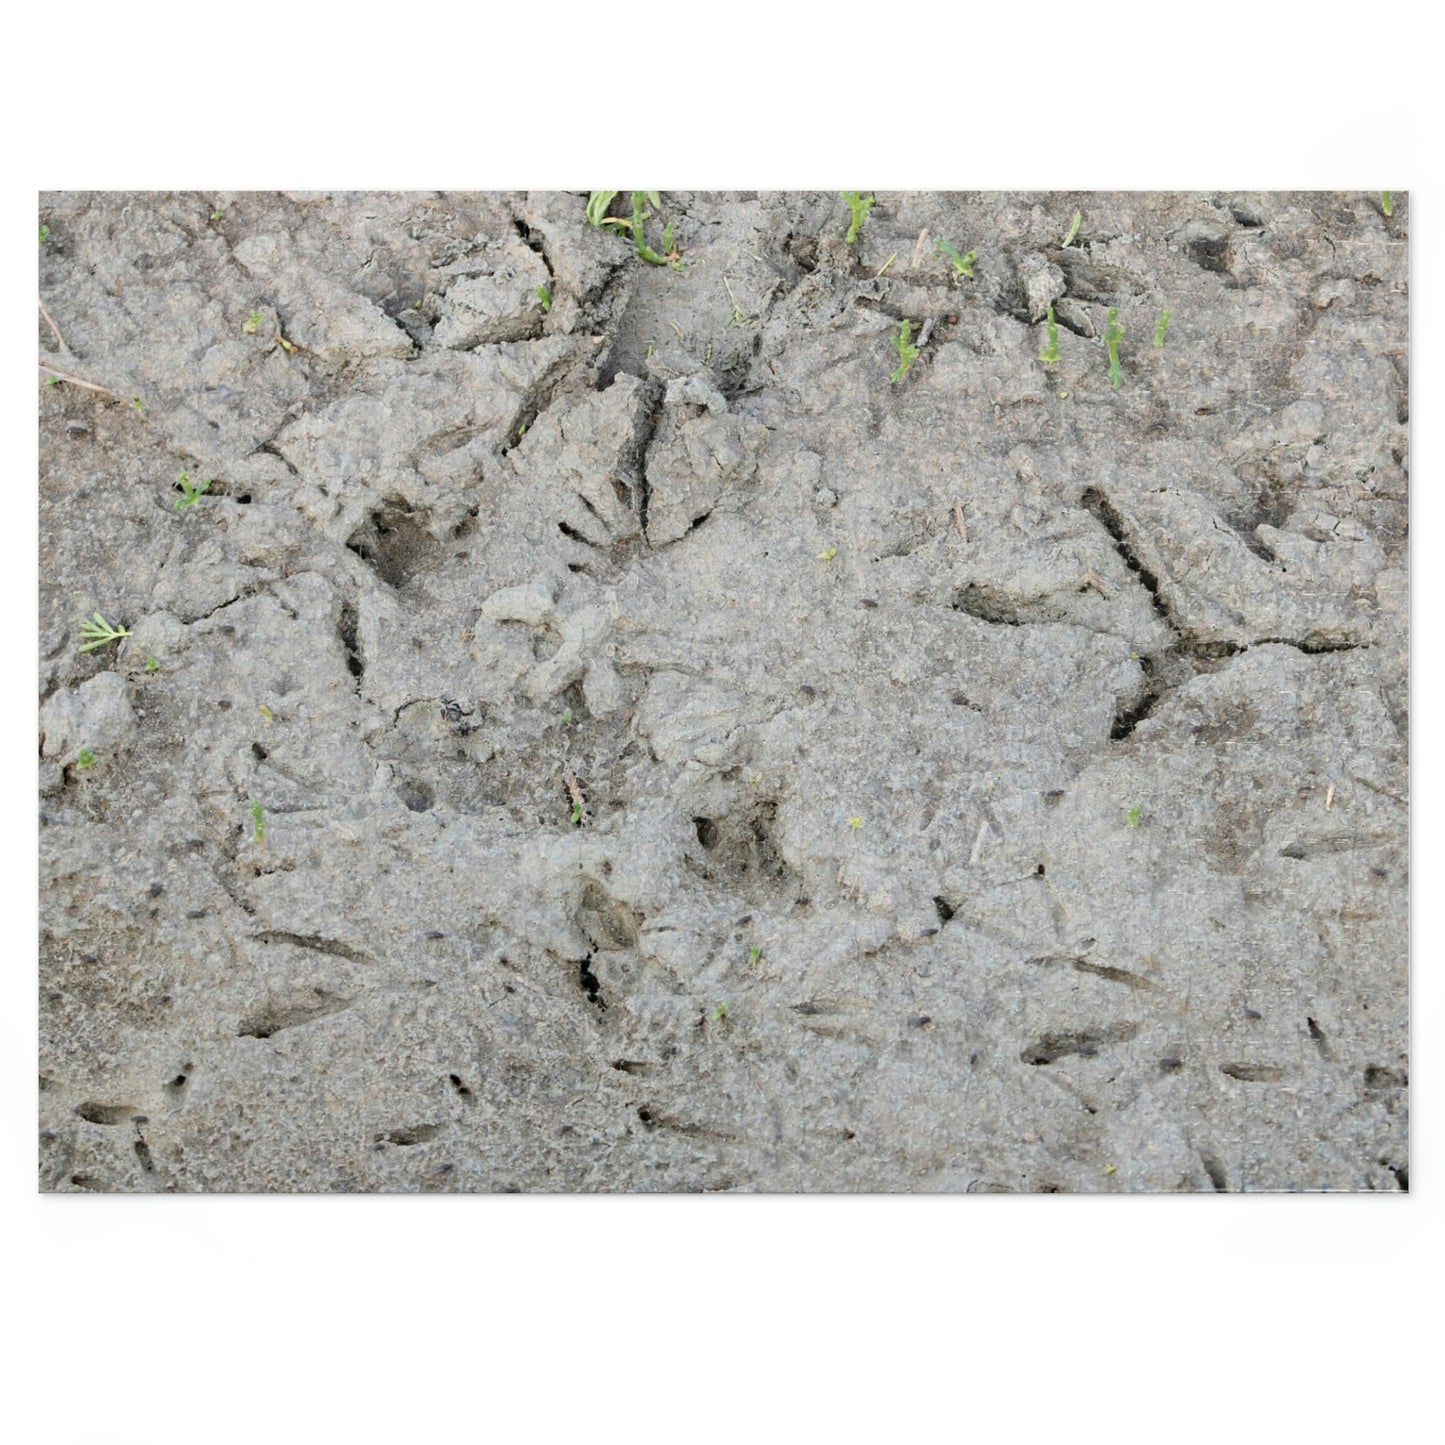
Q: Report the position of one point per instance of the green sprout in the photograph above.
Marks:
(755, 955)
(907, 352)
(252, 323)
(1135, 813)
(258, 818)
(1387, 205)
(859, 206)
(45, 233)
(136, 404)
(98, 632)
(827, 554)
(1112, 337)
(576, 811)
(884, 267)
(962, 265)
(85, 758)
(191, 494)
(216, 215)
(1074, 227)
(1050, 353)
(567, 718)
(639, 234)
(1161, 328)
(52, 381)
(597, 204)
(855, 823)
(739, 316)
(545, 297)
(151, 664)
(720, 1013)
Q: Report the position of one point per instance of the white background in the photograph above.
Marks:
(211, 1320)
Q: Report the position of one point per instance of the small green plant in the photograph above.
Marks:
(755, 955)
(136, 404)
(739, 316)
(545, 297)
(859, 205)
(639, 232)
(190, 495)
(1387, 205)
(597, 204)
(567, 718)
(52, 381)
(1112, 337)
(1135, 813)
(216, 215)
(1073, 227)
(1050, 353)
(828, 553)
(907, 352)
(97, 632)
(44, 234)
(962, 265)
(577, 811)
(1161, 328)
(720, 1013)
(85, 758)
(855, 823)
(252, 323)
(151, 664)
(258, 819)
(265, 713)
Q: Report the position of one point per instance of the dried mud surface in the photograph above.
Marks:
(689, 760)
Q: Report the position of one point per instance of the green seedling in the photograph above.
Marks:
(216, 215)
(962, 265)
(85, 758)
(739, 316)
(151, 664)
(827, 554)
(190, 494)
(755, 956)
(258, 819)
(859, 206)
(97, 632)
(907, 352)
(545, 297)
(567, 718)
(136, 404)
(52, 381)
(1050, 353)
(45, 234)
(597, 204)
(855, 823)
(252, 323)
(576, 811)
(265, 713)
(1161, 328)
(886, 264)
(639, 232)
(1135, 813)
(1387, 205)
(1112, 337)
(1074, 227)
(720, 1013)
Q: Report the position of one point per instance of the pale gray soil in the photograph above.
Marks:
(991, 781)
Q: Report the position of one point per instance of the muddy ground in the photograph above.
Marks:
(685, 758)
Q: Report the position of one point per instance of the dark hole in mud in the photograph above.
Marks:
(415, 794)
(258, 752)
(706, 831)
(346, 627)
(646, 1115)
(394, 543)
(1215, 1170)
(244, 499)
(94, 1113)
(591, 984)
(943, 908)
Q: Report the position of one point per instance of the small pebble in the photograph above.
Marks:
(825, 497)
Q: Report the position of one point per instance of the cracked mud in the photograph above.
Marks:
(634, 745)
